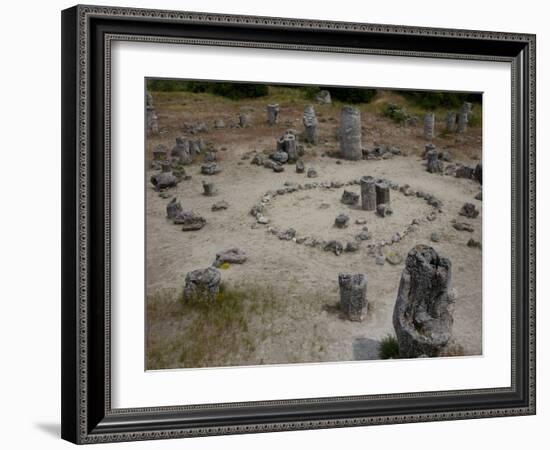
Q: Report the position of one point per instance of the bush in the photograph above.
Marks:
(238, 91)
(351, 95)
(234, 91)
(434, 100)
(388, 348)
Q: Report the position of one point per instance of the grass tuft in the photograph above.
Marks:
(388, 348)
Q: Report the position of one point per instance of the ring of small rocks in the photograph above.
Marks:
(259, 209)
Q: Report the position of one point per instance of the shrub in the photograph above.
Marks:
(351, 95)
(434, 100)
(237, 91)
(388, 348)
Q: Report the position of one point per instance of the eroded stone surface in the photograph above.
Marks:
(423, 312)
(353, 295)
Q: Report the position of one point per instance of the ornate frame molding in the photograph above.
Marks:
(78, 425)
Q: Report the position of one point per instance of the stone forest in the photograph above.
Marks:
(295, 224)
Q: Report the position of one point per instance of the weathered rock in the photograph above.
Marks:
(463, 117)
(323, 97)
(165, 179)
(349, 198)
(173, 208)
(244, 120)
(435, 236)
(262, 220)
(450, 122)
(335, 247)
(434, 165)
(429, 126)
(219, 123)
(423, 312)
(341, 221)
(257, 209)
(218, 206)
(209, 188)
(287, 235)
(473, 243)
(151, 117)
(210, 168)
(195, 127)
(287, 144)
(382, 210)
(280, 157)
(232, 256)
(353, 295)
(190, 220)
(463, 226)
(478, 173)
(182, 151)
(380, 260)
(195, 146)
(464, 171)
(311, 173)
(479, 196)
(311, 125)
(257, 159)
(394, 258)
(382, 192)
(361, 221)
(350, 133)
(300, 168)
(202, 284)
(272, 113)
(368, 193)
(469, 210)
(276, 167)
(351, 247)
(364, 235)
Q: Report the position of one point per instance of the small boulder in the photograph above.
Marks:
(287, 235)
(173, 208)
(190, 220)
(341, 221)
(349, 198)
(231, 256)
(469, 210)
(334, 246)
(202, 284)
(218, 206)
(311, 173)
(210, 168)
(394, 258)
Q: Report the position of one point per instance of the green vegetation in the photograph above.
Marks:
(436, 99)
(388, 348)
(396, 113)
(186, 333)
(233, 91)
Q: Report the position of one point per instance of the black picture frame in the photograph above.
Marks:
(87, 416)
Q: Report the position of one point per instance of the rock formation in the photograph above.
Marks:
(423, 312)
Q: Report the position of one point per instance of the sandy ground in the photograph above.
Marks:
(310, 329)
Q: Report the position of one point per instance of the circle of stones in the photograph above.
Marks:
(289, 187)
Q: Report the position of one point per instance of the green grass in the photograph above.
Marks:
(388, 348)
(190, 333)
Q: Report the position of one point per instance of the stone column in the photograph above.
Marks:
(272, 113)
(423, 312)
(244, 120)
(350, 133)
(382, 193)
(353, 295)
(429, 126)
(451, 121)
(368, 193)
(311, 125)
(182, 150)
(434, 165)
(209, 188)
(287, 143)
(462, 122)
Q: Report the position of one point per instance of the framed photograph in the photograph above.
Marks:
(279, 224)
